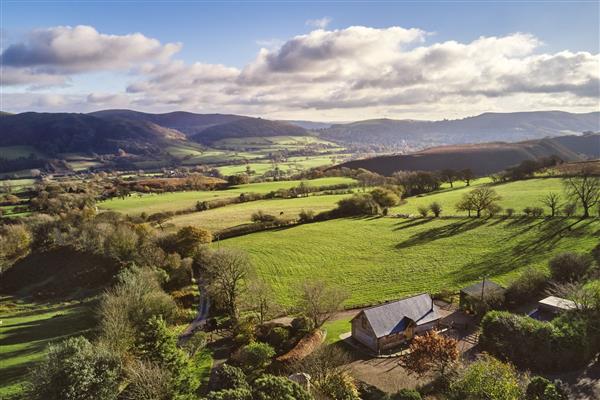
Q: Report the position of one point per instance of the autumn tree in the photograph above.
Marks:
(583, 189)
(431, 353)
(227, 270)
(189, 237)
(552, 201)
(319, 301)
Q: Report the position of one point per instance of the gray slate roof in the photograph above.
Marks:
(394, 317)
(475, 289)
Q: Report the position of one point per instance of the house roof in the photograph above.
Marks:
(395, 316)
(558, 303)
(475, 289)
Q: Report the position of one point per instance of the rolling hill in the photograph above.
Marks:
(487, 127)
(484, 158)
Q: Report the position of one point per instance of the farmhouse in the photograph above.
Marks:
(386, 326)
(471, 296)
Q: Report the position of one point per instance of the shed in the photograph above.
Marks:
(556, 304)
(471, 296)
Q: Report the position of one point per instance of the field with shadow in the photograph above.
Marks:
(380, 259)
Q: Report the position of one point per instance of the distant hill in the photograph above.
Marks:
(488, 127)
(248, 127)
(310, 125)
(55, 133)
(185, 122)
(484, 158)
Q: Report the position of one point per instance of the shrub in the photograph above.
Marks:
(302, 324)
(568, 267)
(230, 394)
(528, 286)
(493, 209)
(541, 388)
(570, 209)
(436, 208)
(385, 197)
(487, 378)
(76, 370)
(406, 394)
(256, 355)
(339, 386)
(423, 211)
(228, 377)
(269, 387)
(537, 211)
(306, 216)
(358, 204)
(260, 216)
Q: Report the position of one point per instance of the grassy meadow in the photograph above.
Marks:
(152, 203)
(379, 259)
(516, 195)
(237, 214)
(27, 329)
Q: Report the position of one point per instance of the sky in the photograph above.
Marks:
(313, 60)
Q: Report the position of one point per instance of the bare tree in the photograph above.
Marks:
(260, 299)
(467, 176)
(584, 189)
(319, 302)
(449, 176)
(478, 200)
(227, 270)
(552, 201)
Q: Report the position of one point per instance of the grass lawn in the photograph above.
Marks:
(152, 203)
(379, 259)
(336, 328)
(237, 214)
(516, 195)
(26, 330)
(204, 363)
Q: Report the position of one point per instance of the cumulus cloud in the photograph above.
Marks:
(64, 50)
(363, 72)
(320, 23)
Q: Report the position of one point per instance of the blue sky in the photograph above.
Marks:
(232, 33)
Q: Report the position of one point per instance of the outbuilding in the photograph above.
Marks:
(472, 296)
(386, 326)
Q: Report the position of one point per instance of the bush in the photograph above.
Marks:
(570, 209)
(302, 324)
(260, 216)
(339, 386)
(228, 377)
(406, 394)
(423, 211)
(230, 394)
(358, 204)
(306, 216)
(487, 378)
(256, 355)
(559, 345)
(542, 389)
(269, 387)
(385, 197)
(569, 267)
(528, 286)
(76, 370)
(436, 208)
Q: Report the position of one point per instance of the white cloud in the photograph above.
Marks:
(319, 23)
(63, 50)
(363, 72)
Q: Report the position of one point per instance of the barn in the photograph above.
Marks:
(386, 326)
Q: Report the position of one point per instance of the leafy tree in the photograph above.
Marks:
(541, 388)
(584, 189)
(385, 197)
(552, 201)
(319, 302)
(76, 370)
(431, 353)
(256, 355)
(269, 387)
(487, 378)
(227, 270)
(358, 204)
(436, 208)
(449, 176)
(528, 286)
(570, 266)
(189, 237)
(15, 242)
(465, 204)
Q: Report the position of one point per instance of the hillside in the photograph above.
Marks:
(488, 127)
(248, 127)
(382, 259)
(54, 133)
(484, 158)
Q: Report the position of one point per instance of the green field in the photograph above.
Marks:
(293, 164)
(12, 152)
(336, 328)
(25, 332)
(152, 203)
(515, 195)
(378, 259)
(237, 214)
(272, 143)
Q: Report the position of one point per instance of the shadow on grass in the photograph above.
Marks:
(549, 232)
(441, 232)
(411, 222)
